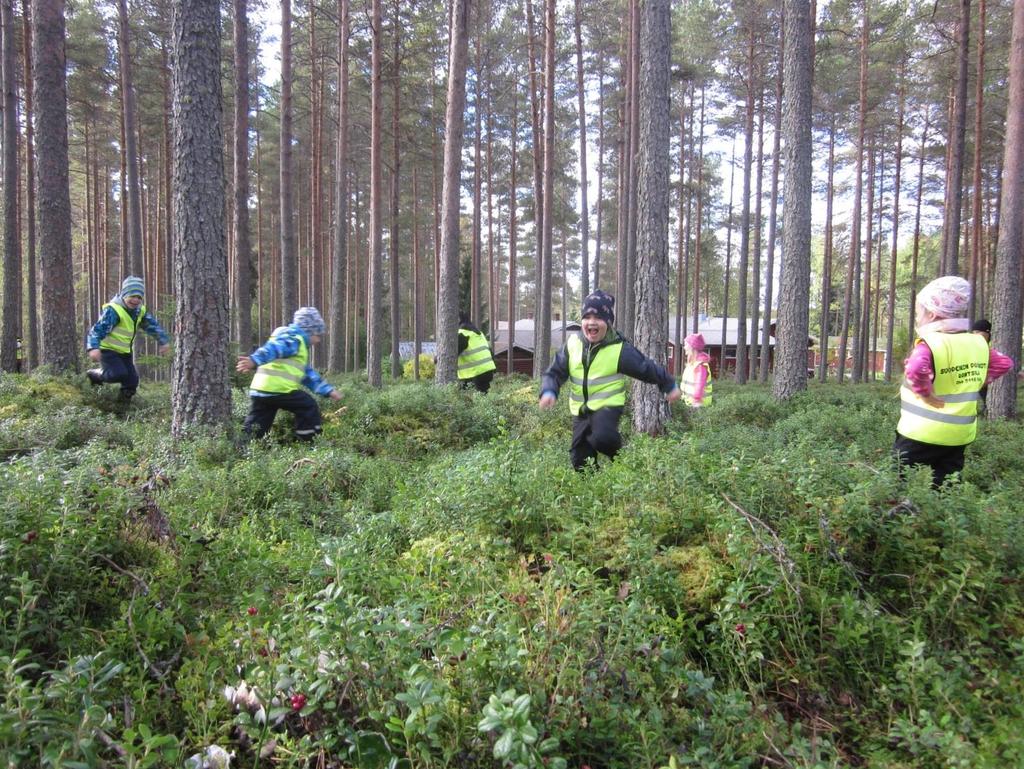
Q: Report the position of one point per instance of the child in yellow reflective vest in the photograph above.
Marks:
(111, 339)
(597, 362)
(943, 375)
(697, 374)
(282, 369)
(475, 364)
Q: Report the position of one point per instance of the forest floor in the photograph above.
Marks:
(431, 585)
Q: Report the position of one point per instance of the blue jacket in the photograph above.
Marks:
(109, 319)
(284, 343)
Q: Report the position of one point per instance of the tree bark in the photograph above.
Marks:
(978, 228)
(289, 259)
(12, 236)
(791, 360)
(826, 270)
(744, 266)
(134, 263)
(243, 248)
(542, 352)
(374, 326)
(957, 139)
(30, 345)
(773, 203)
(513, 235)
(890, 313)
(650, 411)
(584, 203)
(339, 305)
(59, 335)
(1006, 321)
(393, 271)
(448, 296)
(200, 390)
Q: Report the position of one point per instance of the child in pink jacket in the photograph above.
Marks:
(697, 374)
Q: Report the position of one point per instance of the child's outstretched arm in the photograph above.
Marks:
(553, 379)
(635, 364)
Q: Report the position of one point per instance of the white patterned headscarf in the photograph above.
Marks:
(946, 297)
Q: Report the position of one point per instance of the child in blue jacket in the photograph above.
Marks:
(111, 338)
(282, 368)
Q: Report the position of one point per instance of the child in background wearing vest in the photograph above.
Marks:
(697, 374)
(282, 368)
(110, 339)
(943, 375)
(597, 361)
(475, 363)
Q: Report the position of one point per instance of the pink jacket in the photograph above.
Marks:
(919, 368)
(700, 377)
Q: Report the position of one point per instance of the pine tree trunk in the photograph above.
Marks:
(755, 313)
(748, 152)
(200, 389)
(600, 169)
(542, 352)
(448, 297)
(698, 246)
(584, 203)
(864, 335)
(1006, 321)
(798, 67)
(978, 226)
(627, 292)
(11, 331)
(243, 249)
(853, 267)
(917, 225)
(513, 235)
(728, 261)
(957, 140)
(30, 344)
(393, 272)
(538, 182)
(890, 311)
(132, 264)
(339, 305)
(769, 280)
(59, 334)
(289, 300)
(375, 237)
(826, 271)
(650, 411)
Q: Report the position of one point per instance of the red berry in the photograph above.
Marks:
(253, 611)
(741, 628)
(30, 536)
(298, 701)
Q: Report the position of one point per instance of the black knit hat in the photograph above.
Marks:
(600, 304)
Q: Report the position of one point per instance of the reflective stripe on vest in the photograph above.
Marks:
(476, 358)
(960, 362)
(594, 383)
(282, 375)
(690, 383)
(122, 335)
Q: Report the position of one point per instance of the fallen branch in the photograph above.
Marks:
(775, 547)
(138, 580)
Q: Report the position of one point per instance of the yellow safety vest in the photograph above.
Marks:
(595, 382)
(122, 335)
(282, 375)
(476, 358)
(961, 366)
(690, 383)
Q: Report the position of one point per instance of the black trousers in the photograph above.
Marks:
(263, 409)
(119, 368)
(593, 433)
(482, 382)
(943, 460)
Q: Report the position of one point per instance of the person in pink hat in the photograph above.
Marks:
(942, 378)
(697, 374)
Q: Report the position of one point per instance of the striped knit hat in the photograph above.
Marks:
(309, 321)
(132, 286)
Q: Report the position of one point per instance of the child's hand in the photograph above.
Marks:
(335, 395)
(675, 395)
(547, 400)
(95, 356)
(245, 364)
